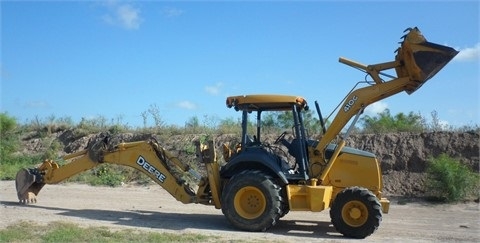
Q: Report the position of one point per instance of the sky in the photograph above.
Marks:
(119, 59)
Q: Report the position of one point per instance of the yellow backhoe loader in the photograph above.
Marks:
(257, 186)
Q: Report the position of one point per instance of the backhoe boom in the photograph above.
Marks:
(145, 156)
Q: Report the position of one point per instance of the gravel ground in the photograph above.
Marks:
(150, 208)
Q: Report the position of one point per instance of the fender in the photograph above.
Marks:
(254, 158)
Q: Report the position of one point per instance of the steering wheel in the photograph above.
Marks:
(280, 137)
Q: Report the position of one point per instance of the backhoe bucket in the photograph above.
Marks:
(421, 59)
(27, 186)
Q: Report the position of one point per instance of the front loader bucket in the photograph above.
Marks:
(27, 186)
(421, 59)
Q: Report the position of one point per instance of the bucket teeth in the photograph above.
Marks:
(28, 198)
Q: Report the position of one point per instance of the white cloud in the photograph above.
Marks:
(36, 104)
(469, 53)
(124, 15)
(171, 12)
(186, 105)
(375, 108)
(215, 89)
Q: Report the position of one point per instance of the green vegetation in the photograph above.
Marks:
(384, 122)
(107, 175)
(9, 139)
(68, 232)
(450, 181)
(9, 145)
(111, 175)
(274, 121)
(12, 164)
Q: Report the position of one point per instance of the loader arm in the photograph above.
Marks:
(360, 98)
(145, 156)
(416, 62)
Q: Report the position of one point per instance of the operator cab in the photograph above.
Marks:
(257, 104)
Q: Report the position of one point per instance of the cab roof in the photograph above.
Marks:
(266, 102)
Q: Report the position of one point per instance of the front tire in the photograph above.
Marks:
(356, 212)
(251, 201)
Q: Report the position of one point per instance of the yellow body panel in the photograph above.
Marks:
(353, 170)
(309, 198)
(349, 170)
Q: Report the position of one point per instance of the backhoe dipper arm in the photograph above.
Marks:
(145, 156)
(152, 160)
(416, 61)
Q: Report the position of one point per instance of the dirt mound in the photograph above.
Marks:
(403, 156)
(410, 151)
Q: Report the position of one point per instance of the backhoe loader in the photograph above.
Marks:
(256, 185)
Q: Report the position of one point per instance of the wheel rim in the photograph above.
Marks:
(250, 202)
(355, 213)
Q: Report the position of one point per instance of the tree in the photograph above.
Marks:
(285, 119)
(270, 122)
(384, 122)
(312, 123)
(155, 112)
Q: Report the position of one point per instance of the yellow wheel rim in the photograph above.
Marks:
(355, 213)
(250, 202)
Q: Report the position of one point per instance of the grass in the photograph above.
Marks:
(68, 232)
(10, 166)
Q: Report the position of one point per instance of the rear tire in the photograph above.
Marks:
(251, 201)
(285, 207)
(356, 212)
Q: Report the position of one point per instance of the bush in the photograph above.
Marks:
(8, 137)
(106, 175)
(10, 166)
(7, 124)
(449, 180)
(384, 122)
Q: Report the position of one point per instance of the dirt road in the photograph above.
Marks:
(153, 209)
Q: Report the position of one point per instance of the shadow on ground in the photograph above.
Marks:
(181, 221)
